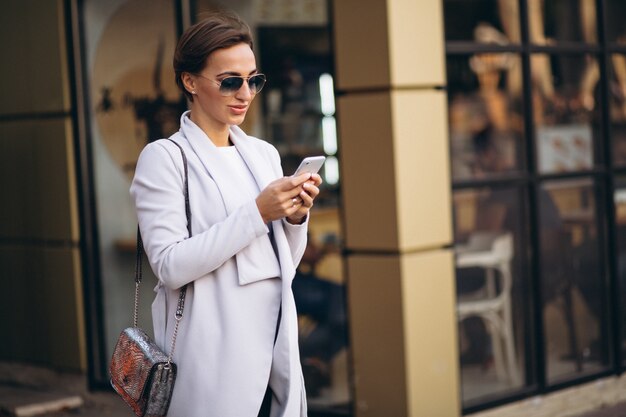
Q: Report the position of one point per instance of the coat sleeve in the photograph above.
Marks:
(297, 238)
(157, 190)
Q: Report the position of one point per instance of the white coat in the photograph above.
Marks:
(225, 352)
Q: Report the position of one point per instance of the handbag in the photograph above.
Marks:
(141, 373)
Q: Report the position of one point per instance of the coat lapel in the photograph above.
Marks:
(208, 155)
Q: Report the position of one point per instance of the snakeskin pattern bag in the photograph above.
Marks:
(141, 373)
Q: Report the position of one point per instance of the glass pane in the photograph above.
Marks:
(562, 21)
(485, 115)
(482, 21)
(620, 221)
(617, 102)
(616, 21)
(293, 103)
(572, 283)
(134, 101)
(490, 276)
(566, 111)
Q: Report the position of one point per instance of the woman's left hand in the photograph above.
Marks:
(304, 201)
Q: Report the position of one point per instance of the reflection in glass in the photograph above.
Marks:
(566, 111)
(617, 100)
(490, 308)
(483, 21)
(619, 198)
(562, 21)
(616, 21)
(134, 101)
(485, 111)
(571, 276)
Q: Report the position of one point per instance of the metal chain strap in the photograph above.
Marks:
(136, 312)
(173, 345)
(179, 315)
(138, 276)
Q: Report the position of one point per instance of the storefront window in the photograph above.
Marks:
(491, 278)
(571, 271)
(482, 21)
(485, 111)
(566, 111)
(527, 147)
(562, 21)
(133, 102)
(616, 21)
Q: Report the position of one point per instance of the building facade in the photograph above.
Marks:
(468, 240)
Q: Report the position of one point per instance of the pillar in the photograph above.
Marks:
(390, 69)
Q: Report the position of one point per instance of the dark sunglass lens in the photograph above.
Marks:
(256, 83)
(231, 84)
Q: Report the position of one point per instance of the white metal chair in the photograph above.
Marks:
(494, 253)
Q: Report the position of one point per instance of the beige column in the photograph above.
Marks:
(397, 208)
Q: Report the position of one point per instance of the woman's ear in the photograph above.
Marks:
(189, 82)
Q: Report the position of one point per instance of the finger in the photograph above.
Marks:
(293, 209)
(287, 204)
(307, 203)
(317, 179)
(287, 183)
(307, 200)
(300, 179)
(293, 193)
(295, 201)
(311, 189)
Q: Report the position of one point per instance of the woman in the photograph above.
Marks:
(237, 342)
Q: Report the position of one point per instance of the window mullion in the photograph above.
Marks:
(535, 325)
(608, 229)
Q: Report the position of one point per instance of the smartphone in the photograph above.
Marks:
(311, 164)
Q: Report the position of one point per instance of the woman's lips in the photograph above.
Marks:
(238, 110)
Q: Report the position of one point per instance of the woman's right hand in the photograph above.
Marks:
(281, 197)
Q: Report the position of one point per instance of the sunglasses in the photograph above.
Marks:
(231, 84)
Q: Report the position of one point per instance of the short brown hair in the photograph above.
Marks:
(217, 31)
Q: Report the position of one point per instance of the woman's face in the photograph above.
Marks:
(219, 110)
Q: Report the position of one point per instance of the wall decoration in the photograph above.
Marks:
(565, 148)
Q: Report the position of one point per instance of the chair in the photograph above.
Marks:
(492, 303)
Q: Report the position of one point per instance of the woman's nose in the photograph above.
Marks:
(244, 91)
